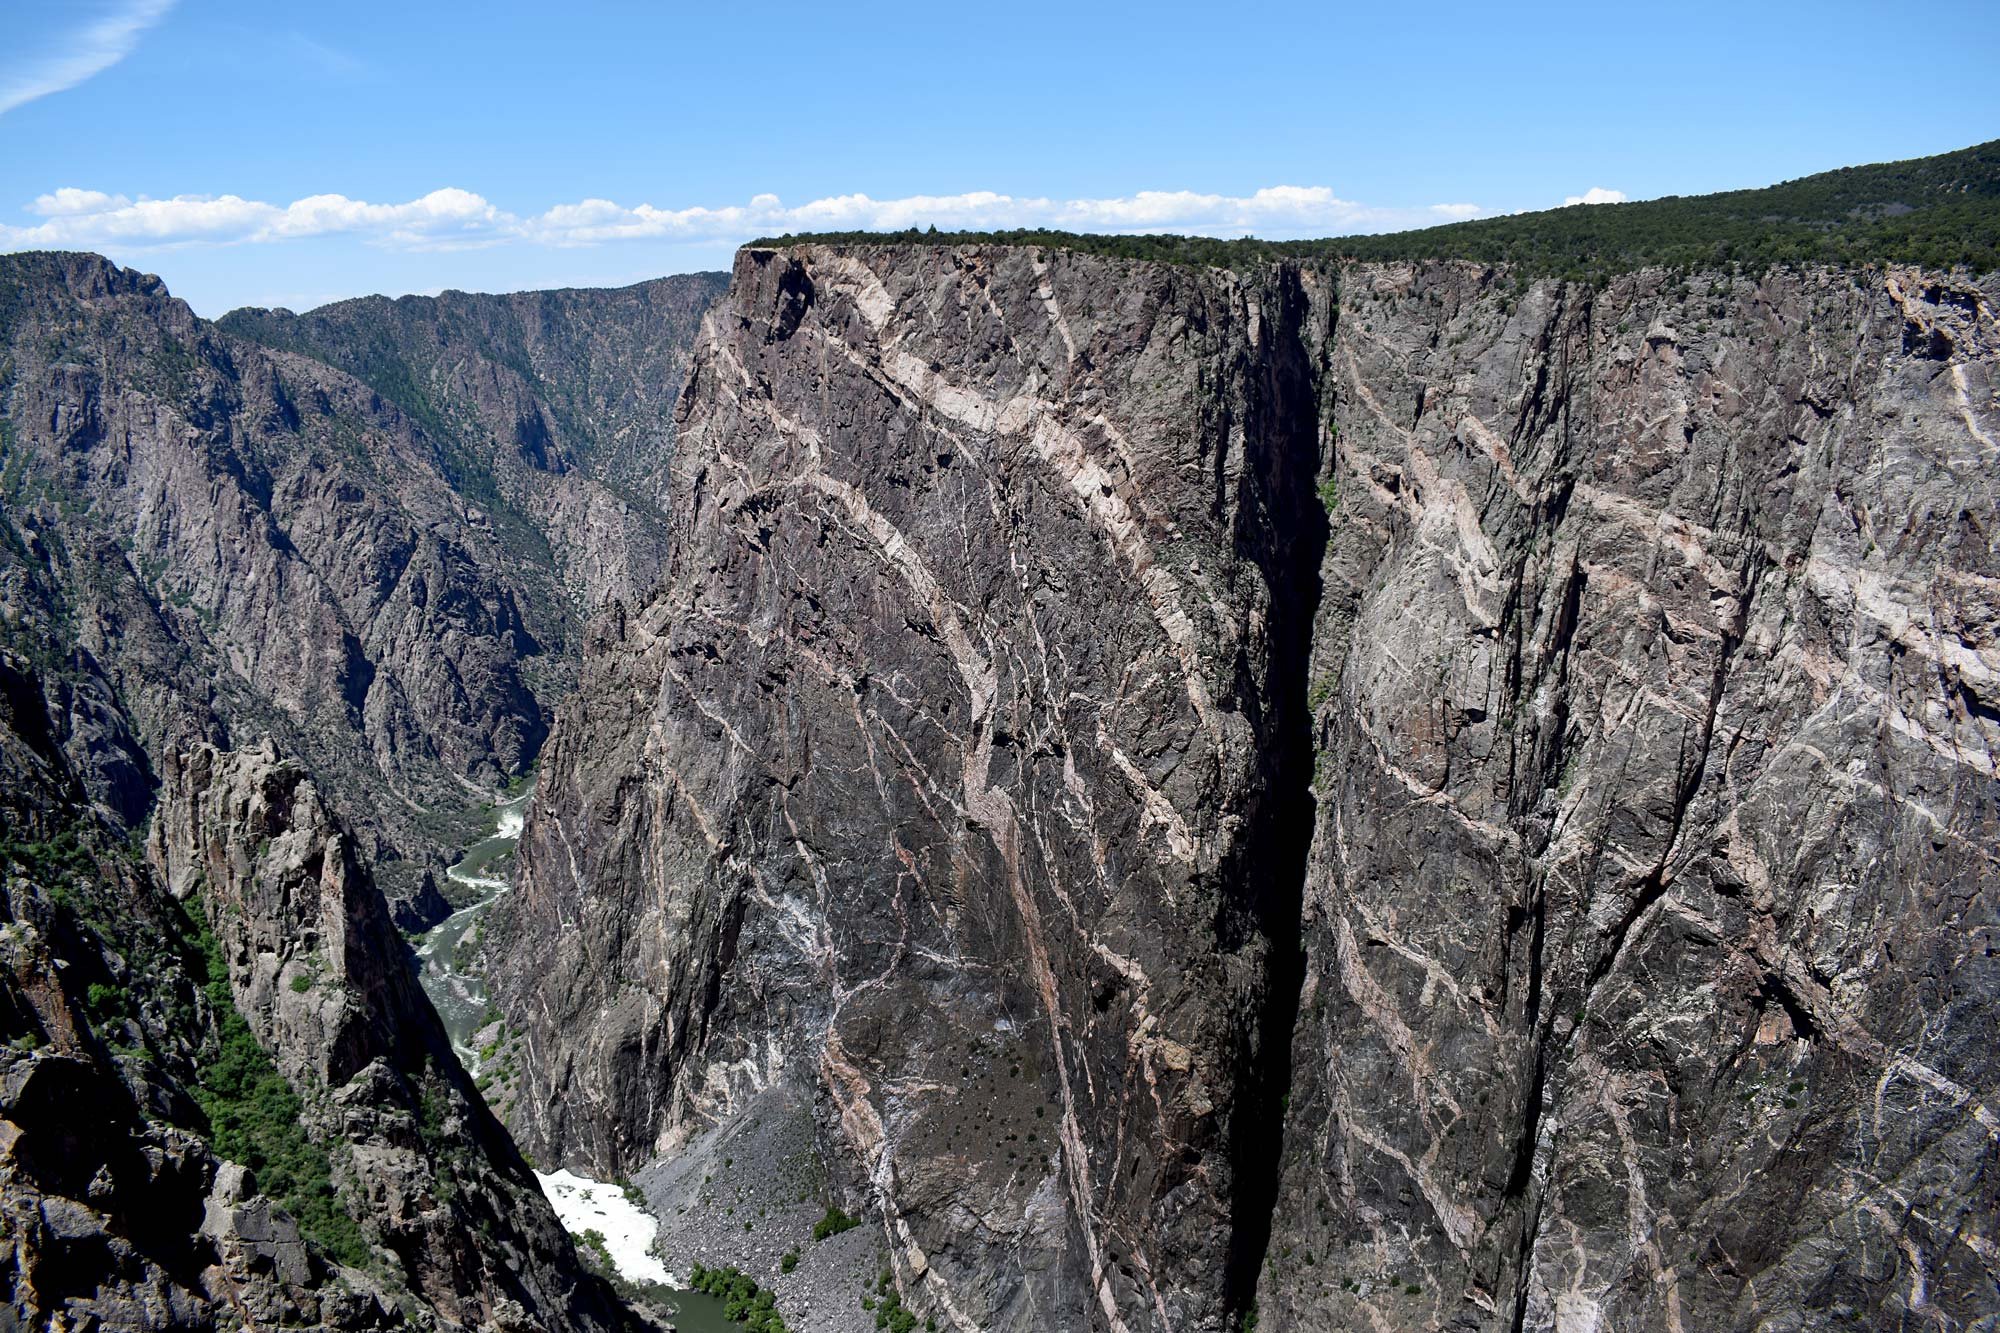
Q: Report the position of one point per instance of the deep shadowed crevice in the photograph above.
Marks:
(1282, 529)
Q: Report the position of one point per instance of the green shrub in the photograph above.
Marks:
(744, 1302)
(61, 856)
(833, 1223)
(789, 1262)
(890, 1312)
(594, 1246)
(105, 1001)
(301, 983)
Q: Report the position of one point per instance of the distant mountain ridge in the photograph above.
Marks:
(388, 574)
(553, 409)
(571, 377)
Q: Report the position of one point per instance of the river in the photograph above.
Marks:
(459, 995)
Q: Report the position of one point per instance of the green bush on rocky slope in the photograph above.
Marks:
(250, 1114)
(1941, 212)
(745, 1302)
(255, 1118)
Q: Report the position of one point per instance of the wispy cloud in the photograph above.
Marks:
(329, 62)
(1596, 194)
(452, 218)
(90, 49)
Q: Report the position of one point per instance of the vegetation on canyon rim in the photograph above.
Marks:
(1941, 212)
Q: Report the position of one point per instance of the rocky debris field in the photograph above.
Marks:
(747, 1193)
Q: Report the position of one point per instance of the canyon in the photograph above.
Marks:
(1308, 793)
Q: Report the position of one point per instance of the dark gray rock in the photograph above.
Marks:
(1650, 911)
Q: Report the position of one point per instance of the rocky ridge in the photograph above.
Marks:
(235, 540)
(146, 1035)
(326, 985)
(211, 540)
(259, 645)
(557, 405)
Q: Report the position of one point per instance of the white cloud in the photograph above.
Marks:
(441, 219)
(90, 49)
(453, 218)
(66, 201)
(1596, 194)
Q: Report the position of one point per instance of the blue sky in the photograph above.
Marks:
(293, 154)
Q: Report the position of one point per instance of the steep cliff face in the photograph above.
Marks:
(1532, 743)
(1650, 910)
(958, 766)
(325, 983)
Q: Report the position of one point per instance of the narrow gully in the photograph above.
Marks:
(1284, 533)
